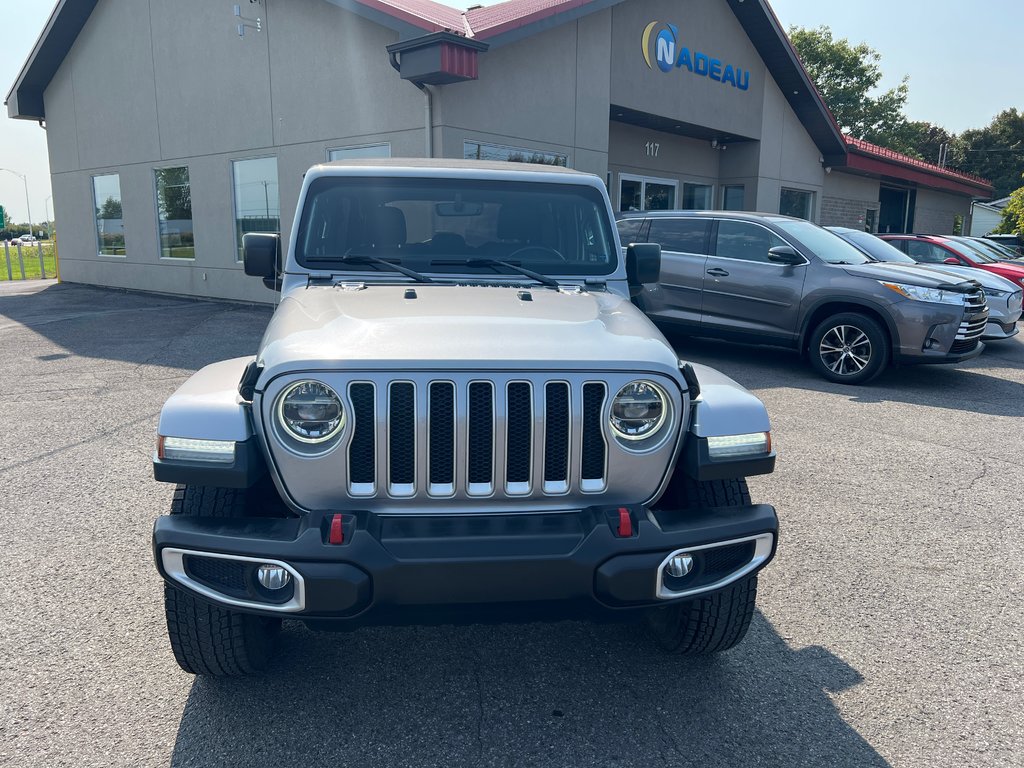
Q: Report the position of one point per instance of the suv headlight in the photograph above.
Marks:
(310, 412)
(920, 293)
(639, 410)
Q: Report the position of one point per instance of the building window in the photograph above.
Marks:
(732, 197)
(476, 150)
(361, 152)
(637, 193)
(106, 191)
(697, 197)
(257, 203)
(174, 210)
(797, 203)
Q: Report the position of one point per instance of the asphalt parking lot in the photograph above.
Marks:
(888, 633)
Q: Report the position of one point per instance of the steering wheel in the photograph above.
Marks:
(559, 256)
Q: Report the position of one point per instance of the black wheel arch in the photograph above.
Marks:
(834, 305)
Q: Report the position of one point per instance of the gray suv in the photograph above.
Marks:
(778, 280)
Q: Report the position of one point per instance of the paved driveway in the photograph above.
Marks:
(888, 632)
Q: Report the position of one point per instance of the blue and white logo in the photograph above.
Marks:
(669, 53)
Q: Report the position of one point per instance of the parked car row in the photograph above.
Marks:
(777, 280)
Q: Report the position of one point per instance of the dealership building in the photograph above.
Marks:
(173, 128)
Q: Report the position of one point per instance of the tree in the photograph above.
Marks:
(995, 152)
(1013, 214)
(174, 194)
(111, 209)
(847, 75)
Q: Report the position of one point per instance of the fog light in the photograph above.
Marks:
(679, 566)
(273, 576)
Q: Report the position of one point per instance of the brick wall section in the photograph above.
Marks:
(843, 212)
(935, 221)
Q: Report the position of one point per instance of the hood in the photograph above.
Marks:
(461, 327)
(911, 274)
(988, 280)
(1007, 269)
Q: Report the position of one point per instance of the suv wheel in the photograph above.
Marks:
(849, 348)
(716, 622)
(207, 639)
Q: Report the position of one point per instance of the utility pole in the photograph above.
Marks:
(24, 180)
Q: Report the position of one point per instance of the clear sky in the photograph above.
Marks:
(962, 59)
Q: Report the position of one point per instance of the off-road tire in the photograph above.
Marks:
(716, 622)
(706, 625)
(207, 639)
(877, 347)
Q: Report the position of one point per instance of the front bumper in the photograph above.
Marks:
(396, 570)
(996, 330)
(934, 333)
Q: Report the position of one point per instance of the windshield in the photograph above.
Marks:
(976, 254)
(877, 248)
(984, 248)
(455, 226)
(825, 245)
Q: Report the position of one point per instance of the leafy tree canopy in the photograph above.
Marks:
(995, 151)
(1013, 214)
(847, 76)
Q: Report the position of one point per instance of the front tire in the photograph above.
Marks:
(705, 625)
(205, 638)
(710, 623)
(849, 348)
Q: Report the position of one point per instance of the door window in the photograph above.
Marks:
(637, 193)
(680, 235)
(927, 253)
(745, 241)
(659, 197)
(629, 230)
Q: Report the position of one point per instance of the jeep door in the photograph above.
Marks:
(684, 251)
(745, 291)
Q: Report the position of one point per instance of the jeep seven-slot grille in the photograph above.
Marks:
(517, 438)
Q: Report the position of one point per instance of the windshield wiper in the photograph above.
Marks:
(365, 258)
(542, 279)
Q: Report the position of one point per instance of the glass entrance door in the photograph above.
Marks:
(645, 193)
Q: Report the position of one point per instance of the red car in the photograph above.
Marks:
(936, 249)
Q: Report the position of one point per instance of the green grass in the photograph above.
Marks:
(30, 257)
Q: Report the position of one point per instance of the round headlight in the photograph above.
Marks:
(310, 412)
(638, 410)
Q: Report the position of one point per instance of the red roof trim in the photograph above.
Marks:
(494, 20)
(425, 14)
(865, 156)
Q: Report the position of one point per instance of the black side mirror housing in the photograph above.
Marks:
(643, 265)
(261, 257)
(785, 254)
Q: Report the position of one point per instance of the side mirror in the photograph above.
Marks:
(643, 265)
(952, 261)
(261, 256)
(785, 254)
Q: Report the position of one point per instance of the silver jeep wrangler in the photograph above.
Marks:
(457, 415)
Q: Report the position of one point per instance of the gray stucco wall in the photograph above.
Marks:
(708, 27)
(847, 199)
(547, 92)
(130, 97)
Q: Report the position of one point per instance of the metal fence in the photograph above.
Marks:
(21, 256)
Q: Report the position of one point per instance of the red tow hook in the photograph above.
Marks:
(625, 523)
(337, 534)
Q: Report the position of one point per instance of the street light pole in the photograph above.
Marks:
(49, 221)
(24, 180)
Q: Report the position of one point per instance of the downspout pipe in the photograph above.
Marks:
(428, 106)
